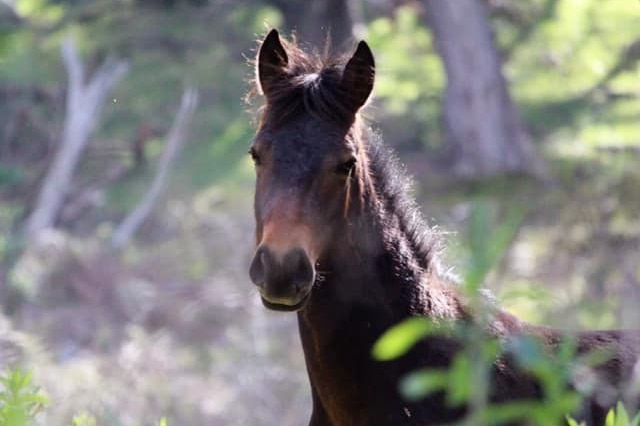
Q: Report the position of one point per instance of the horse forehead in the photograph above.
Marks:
(296, 162)
(306, 142)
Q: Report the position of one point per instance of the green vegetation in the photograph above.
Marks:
(20, 400)
(466, 381)
(616, 417)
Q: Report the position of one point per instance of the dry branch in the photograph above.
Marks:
(176, 139)
(83, 107)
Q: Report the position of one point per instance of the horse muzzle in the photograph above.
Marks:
(284, 281)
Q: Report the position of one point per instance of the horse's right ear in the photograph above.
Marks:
(358, 76)
(271, 63)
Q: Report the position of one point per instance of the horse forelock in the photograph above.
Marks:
(311, 83)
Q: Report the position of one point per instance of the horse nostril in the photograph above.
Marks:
(302, 272)
(259, 266)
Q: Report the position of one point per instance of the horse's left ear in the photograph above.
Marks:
(358, 76)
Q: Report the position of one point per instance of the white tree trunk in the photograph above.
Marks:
(83, 107)
(482, 123)
(175, 140)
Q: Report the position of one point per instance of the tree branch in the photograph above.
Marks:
(175, 140)
(83, 106)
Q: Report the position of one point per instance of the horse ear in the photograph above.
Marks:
(358, 76)
(272, 59)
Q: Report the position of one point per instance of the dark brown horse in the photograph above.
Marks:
(340, 242)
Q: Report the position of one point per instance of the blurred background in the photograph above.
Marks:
(126, 193)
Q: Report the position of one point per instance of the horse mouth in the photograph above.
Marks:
(283, 307)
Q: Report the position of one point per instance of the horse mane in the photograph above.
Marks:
(394, 189)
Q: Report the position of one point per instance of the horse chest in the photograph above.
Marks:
(351, 388)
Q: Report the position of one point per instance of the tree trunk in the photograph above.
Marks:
(83, 108)
(484, 129)
(314, 20)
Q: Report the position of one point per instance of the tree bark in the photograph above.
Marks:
(314, 20)
(83, 107)
(484, 129)
(175, 140)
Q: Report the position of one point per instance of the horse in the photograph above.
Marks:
(340, 241)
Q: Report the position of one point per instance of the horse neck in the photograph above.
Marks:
(372, 280)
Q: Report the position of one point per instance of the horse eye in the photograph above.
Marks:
(347, 167)
(254, 156)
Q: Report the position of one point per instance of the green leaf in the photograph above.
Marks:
(460, 374)
(84, 419)
(487, 243)
(419, 384)
(396, 341)
(20, 401)
(510, 412)
(573, 422)
(622, 418)
(611, 418)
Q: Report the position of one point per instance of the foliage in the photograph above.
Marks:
(411, 79)
(466, 380)
(20, 400)
(575, 44)
(84, 419)
(616, 417)
(619, 417)
(564, 59)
